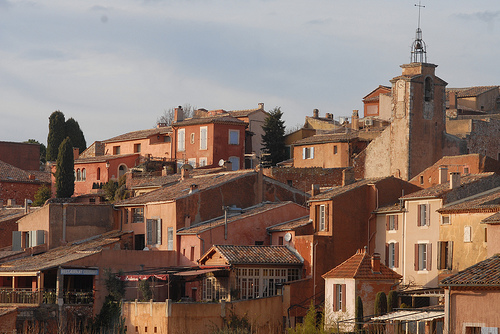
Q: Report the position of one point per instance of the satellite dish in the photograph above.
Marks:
(288, 237)
(221, 162)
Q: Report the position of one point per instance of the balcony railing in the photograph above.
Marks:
(29, 296)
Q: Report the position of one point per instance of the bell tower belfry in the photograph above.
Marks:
(418, 114)
(415, 138)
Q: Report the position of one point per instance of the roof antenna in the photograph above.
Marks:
(418, 48)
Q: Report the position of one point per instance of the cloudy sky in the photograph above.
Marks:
(116, 65)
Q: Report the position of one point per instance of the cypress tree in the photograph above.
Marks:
(380, 303)
(359, 313)
(74, 132)
(392, 300)
(273, 138)
(57, 133)
(65, 175)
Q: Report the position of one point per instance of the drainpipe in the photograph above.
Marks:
(371, 216)
(314, 272)
(202, 244)
(65, 207)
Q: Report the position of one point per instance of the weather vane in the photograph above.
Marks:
(418, 48)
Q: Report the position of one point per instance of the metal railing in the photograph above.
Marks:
(30, 296)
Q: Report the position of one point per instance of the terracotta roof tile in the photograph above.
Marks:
(330, 194)
(220, 119)
(488, 201)
(339, 137)
(396, 207)
(64, 254)
(493, 219)
(360, 266)
(290, 225)
(9, 173)
(233, 218)
(471, 91)
(278, 255)
(103, 158)
(140, 134)
(158, 181)
(484, 273)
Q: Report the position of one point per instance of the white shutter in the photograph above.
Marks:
(303, 153)
(158, 231)
(312, 153)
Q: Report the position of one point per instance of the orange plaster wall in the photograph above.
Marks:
(323, 156)
(474, 307)
(158, 148)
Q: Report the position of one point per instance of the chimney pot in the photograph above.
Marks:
(178, 114)
(314, 189)
(376, 262)
(261, 106)
(315, 113)
(348, 176)
(454, 180)
(443, 174)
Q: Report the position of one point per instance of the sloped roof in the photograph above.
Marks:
(244, 113)
(485, 273)
(9, 173)
(219, 119)
(103, 158)
(140, 134)
(440, 190)
(277, 255)
(339, 137)
(488, 201)
(181, 189)
(330, 194)
(158, 181)
(396, 207)
(493, 219)
(220, 221)
(290, 225)
(359, 266)
(471, 91)
(381, 87)
(64, 254)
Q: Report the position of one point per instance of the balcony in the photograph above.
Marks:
(30, 296)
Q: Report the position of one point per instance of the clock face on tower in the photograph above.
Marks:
(400, 92)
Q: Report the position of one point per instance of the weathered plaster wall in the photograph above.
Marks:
(474, 309)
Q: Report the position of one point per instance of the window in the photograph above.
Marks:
(445, 220)
(192, 162)
(170, 238)
(234, 137)
(191, 138)
(181, 140)
(392, 255)
(339, 297)
(98, 177)
(445, 255)
(235, 163)
(214, 288)
(421, 179)
(485, 234)
(203, 162)
(335, 149)
(191, 257)
(423, 215)
(280, 240)
(167, 139)
(472, 330)
(122, 170)
(84, 174)
(203, 138)
(137, 148)
(321, 217)
(116, 150)
(423, 256)
(138, 215)
(467, 234)
(259, 243)
(466, 170)
(391, 223)
(307, 153)
(78, 174)
(125, 216)
(153, 228)
(428, 89)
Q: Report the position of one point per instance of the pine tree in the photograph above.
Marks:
(65, 175)
(273, 138)
(57, 133)
(74, 132)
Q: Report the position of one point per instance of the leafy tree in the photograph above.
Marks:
(42, 194)
(145, 289)
(359, 313)
(168, 114)
(380, 303)
(74, 132)
(392, 300)
(116, 190)
(310, 324)
(57, 133)
(65, 175)
(43, 150)
(273, 138)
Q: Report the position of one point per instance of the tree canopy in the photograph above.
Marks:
(43, 149)
(168, 114)
(59, 128)
(65, 175)
(74, 132)
(273, 138)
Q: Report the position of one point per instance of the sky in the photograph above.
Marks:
(116, 65)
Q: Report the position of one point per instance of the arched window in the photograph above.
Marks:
(98, 173)
(122, 170)
(78, 174)
(84, 174)
(428, 89)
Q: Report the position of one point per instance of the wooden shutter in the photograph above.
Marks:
(335, 306)
(387, 222)
(419, 215)
(387, 255)
(396, 255)
(439, 255)
(429, 257)
(326, 217)
(149, 231)
(428, 214)
(449, 265)
(16, 240)
(343, 287)
(396, 222)
(416, 258)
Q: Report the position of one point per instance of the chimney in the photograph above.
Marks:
(348, 176)
(452, 100)
(228, 165)
(178, 114)
(443, 174)
(27, 203)
(11, 202)
(261, 106)
(31, 177)
(164, 171)
(315, 113)
(193, 188)
(76, 153)
(314, 189)
(161, 125)
(454, 180)
(355, 120)
(185, 171)
(376, 262)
